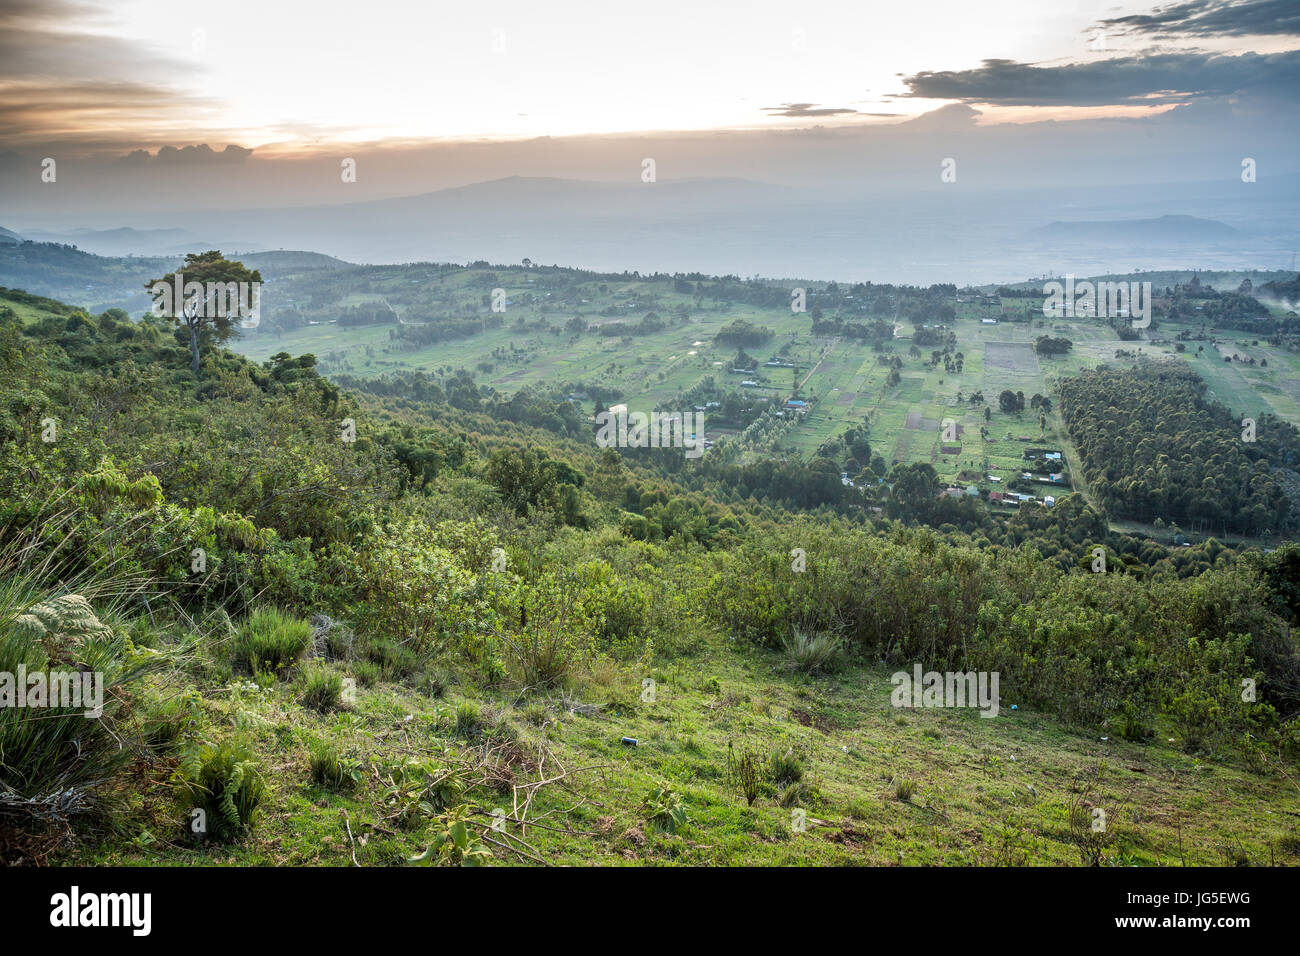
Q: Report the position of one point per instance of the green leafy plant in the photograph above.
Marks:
(454, 843)
(415, 791)
(225, 783)
(664, 808)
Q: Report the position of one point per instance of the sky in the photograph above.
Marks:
(297, 76)
(174, 114)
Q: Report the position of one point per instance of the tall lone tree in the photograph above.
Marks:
(210, 311)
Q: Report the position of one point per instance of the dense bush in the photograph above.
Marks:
(1094, 648)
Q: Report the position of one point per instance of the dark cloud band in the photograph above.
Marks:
(1132, 80)
(1213, 18)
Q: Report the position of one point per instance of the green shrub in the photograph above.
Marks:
(613, 609)
(225, 786)
(1131, 725)
(396, 661)
(542, 654)
(271, 640)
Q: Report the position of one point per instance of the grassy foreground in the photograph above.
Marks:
(881, 785)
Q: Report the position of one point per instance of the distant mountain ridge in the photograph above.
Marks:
(129, 241)
(738, 226)
(1161, 229)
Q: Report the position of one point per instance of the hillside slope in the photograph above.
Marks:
(341, 628)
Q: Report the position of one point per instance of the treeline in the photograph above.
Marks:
(1047, 345)
(795, 484)
(423, 334)
(742, 332)
(1194, 303)
(368, 313)
(1153, 446)
(878, 331)
(549, 409)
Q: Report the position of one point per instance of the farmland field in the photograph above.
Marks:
(845, 380)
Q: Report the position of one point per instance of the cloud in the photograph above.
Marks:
(954, 116)
(807, 109)
(200, 155)
(1214, 18)
(1149, 80)
(62, 83)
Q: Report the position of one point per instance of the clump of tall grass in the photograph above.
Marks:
(322, 688)
(57, 761)
(808, 652)
(785, 767)
(745, 770)
(331, 640)
(331, 769)
(469, 719)
(271, 641)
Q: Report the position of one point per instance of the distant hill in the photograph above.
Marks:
(7, 235)
(1175, 229)
(98, 282)
(736, 226)
(127, 241)
(284, 262)
(1220, 280)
